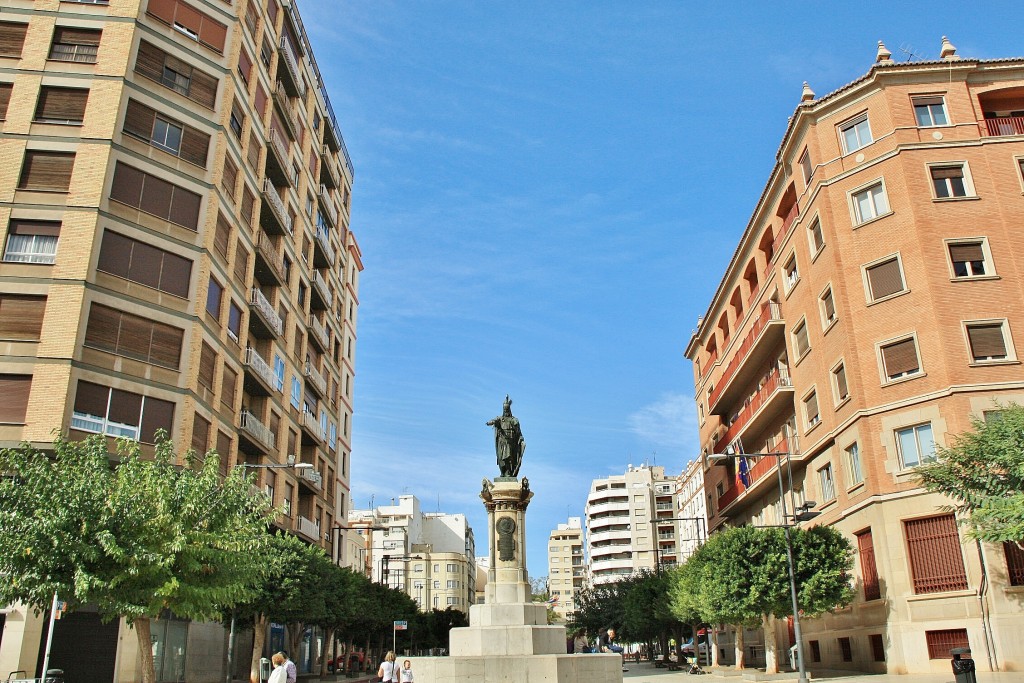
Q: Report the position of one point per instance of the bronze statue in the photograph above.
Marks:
(508, 441)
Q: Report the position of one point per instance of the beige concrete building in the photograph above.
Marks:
(567, 571)
(873, 306)
(174, 219)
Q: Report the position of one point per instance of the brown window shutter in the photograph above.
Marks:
(245, 65)
(207, 366)
(156, 415)
(162, 9)
(314, 159)
(5, 98)
(261, 101)
(222, 236)
(229, 177)
(252, 18)
(277, 126)
(188, 16)
(156, 196)
(12, 38)
(900, 358)
(23, 227)
(145, 265)
(272, 9)
(185, 208)
(885, 279)
(47, 171)
(15, 390)
(203, 89)
(92, 399)
(966, 252)
(138, 120)
(802, 343)
(175, 274)
(200, 434)
(275, 423)
(72, 35)
(61, 104)
(241, 262)
(165, 350)
(830, 306)
(21, 317)
(248, 205)
(253, 153)
(841, 381)
(987, 341)
(195, 145)
(223, 449)
(103, 328)
(227, 387)
(150, 61)
(127, 185)
(136, 337)
(947, 172)
(125, 407)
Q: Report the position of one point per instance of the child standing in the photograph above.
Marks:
(407, 672)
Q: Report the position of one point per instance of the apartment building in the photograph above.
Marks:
(431, 556)
(691, 509)
(869, 311)
(567, 572)
(631, 524)
(174, 220)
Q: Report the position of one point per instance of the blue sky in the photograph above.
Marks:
(546, 196)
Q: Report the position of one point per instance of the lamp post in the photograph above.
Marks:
(801, 513)
(290, 464)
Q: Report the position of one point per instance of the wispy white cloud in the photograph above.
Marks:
(668, 424)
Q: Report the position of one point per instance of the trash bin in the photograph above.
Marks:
(963, 669)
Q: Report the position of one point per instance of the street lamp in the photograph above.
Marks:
(800, 514)
(288, 464)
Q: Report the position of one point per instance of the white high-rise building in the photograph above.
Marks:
(691, 510)
(566, 568)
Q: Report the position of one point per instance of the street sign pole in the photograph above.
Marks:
(49, 635)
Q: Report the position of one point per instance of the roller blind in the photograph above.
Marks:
(200, 434)
(5, 98)
(145, 264)
(966, 252)
(194, 84)
(229, 178)
(900, 358)
(987, 341)
(885, 279)
(21, 317)
(15, 390)
(241, 262)
(133, 336)
(47, 171)
(155, 196)
(228, 383)
(61, 105)
(201, 27)
(12, 38)
(207, 366)
(222, 236)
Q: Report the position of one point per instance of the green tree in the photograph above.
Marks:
(136, 539)
(598, 607)
(646, 612)
(983, 471)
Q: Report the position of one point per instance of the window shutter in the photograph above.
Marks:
(222, 236)
(802, 343)
(203, 89)
(61, 104)
(188, 16)
(841, 381)
(127, 185)
(252, 18)
(92, 399)
(966, 252)
(162, 9)
(830, 306)
(261, 101)
(272, 11)
(165, 349)
(227, 387)
(244, 65)
(21, 317)
(12, 39)
(125, 407)
(138, 120)
(156, 196)
(812, 406)
(253, 153)
(194, 146)
(936, 557)
(223, 450)
(213, 33)
(136, 337)
(927, 100)
(241, 262)
(248, 205)
(5, 98)
(207, 366)
(900, 357)
(15, 390)
(175, 275)
(185, 208)
(103, 328)
(885, 279)
(150, 61)
(200, 434)
(229, 177)
(948, 172)
(72, 35)
(145, 265)
(47, 171)
(987, 341)
(157, 415)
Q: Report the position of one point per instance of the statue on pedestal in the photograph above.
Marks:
(509, 443)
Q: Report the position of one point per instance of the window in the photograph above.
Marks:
(229, 177)
(167, 135)
(244, 66)
(930, 111)
(811, 412)
(72, 44)
(826, 483)
(213, 298)
(792, 273)
(15, 390)
(1014, 562)
(114, 412)
(46, 171)
(155, 196)
(270, 484)
(5, 99)
(132, 336)
(21, 317)
(842, 391)
(899, 359)
(234, 321)
(806, 167)
(884, 279)
(207, 366)
(452, 584)
(828, 308)
(855, 133)
(988, 341)
(916, 445)
(869, 203)
(278, 372)
(877, 647)
(237, 120)
(61, 105)
(200, 434)
(453, 601)
(266, 52)
(846, 649)
(815, 651)
(145, 264)
(868, 567)
(178, 75)
(289, 492)
(800, 340)
(950, 181)
(12, 38)
(190, 22)
(816, 237)
(296, 393)
(970, 258)
(222, 236)
(228, 384)
(32, 241)
(941, 642)
(853, 463)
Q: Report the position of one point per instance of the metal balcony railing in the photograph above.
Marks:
(324, 291)
(267, 250)
(311, 477)
(307, 528)
(757, 471)
(1005, 125)
(777, 379)
(328, 172)
(770, 312)
(315, 378)
(280, 147)
(319, 332)
(292, 68)
(263, 306)
(260, 367)
(284, 106)
(323, 240)
(325, 201)
(277, 207)
(252, 426)
(310, 422)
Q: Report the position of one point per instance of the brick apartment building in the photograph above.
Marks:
(869, 311)
(174, 219)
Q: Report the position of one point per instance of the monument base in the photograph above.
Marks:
(583, 668)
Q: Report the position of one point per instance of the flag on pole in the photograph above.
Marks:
(744, 472)
(401, 625)
(552, 601)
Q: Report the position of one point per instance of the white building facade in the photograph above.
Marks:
(566, 568)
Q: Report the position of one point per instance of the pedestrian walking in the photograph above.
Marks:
(280, 672)
(388, 670)
(289, 667)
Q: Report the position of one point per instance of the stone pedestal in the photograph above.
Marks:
(509, 639)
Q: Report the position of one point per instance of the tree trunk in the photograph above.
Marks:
(295, 632)
(259, 637)
(713, 646)
(740, 658)
(142, 631)
(771, 647)
(328, 637)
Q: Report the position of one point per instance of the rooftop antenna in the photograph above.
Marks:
(912, 56)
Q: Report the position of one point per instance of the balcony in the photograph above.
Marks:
(311, 479)
(269, 262)
(328, 173)
(315, 379)
(757, 474)
(259, 376)
(279, 158)
(787, 223)
(288, 70)
(255, 438)
(307, 528)
(610, 535)
(1004, 125)
(265, 323)
(328, 205)
(284, 107)
(319, 334)
(321, 299)
(776, 391)
(276, 221)
(766, 333)
(311, 427)
(323, 252)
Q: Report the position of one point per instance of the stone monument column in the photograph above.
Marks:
(505, 500)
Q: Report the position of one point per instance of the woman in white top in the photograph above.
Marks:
(280, 672)
(388, 671)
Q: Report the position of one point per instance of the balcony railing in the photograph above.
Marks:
(268, 252)
(323, 241)
(291, 68)
(277, 207)
(315, 378)
(311, 477)
(787, 223)
(771, 311)
(260, 367)
(319, 333)
(311, 423)
(320, 285)
(280, 147)
(325, 201)
(252, 426)
(1005, 125)
(776, 379)
(284, 106)
(266, 311)
(328, 173)
(761, 467)
(307, 528)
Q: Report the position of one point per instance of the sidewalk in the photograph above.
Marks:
(645, 672)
